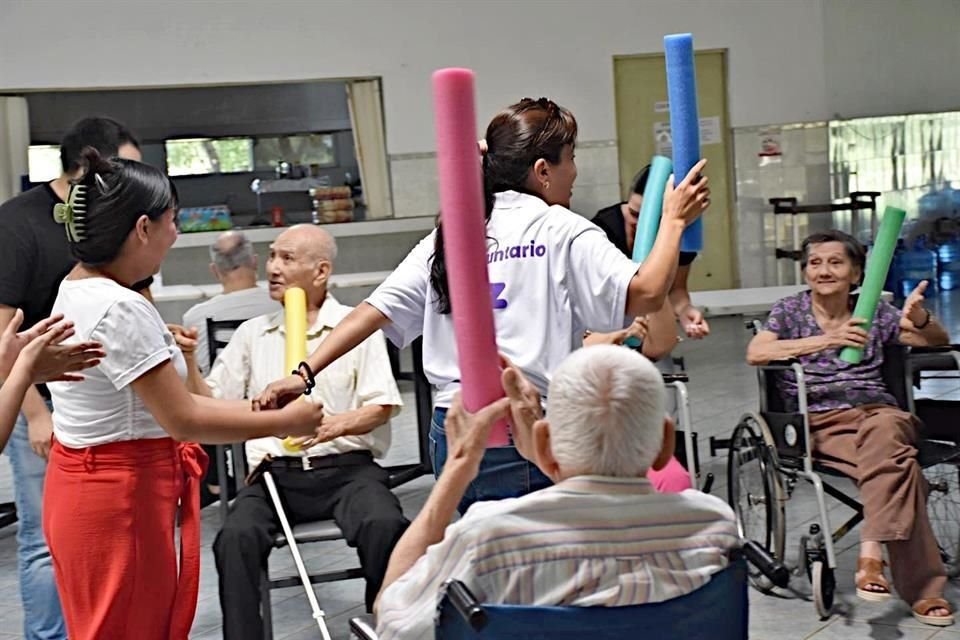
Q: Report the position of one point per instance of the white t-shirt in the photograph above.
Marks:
(553, 273)
(103, 407)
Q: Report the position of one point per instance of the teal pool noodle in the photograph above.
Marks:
(877, 266)
(649, 223)
(684, 120)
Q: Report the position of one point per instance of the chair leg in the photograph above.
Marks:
(266, 611)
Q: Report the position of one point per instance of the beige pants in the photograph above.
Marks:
(874, 445)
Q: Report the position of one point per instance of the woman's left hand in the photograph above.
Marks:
(913, 309)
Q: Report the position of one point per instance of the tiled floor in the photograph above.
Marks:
(722, 388)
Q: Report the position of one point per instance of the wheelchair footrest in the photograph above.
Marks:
(718, 444)
(769, 566)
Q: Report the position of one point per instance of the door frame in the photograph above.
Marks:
(727, 144)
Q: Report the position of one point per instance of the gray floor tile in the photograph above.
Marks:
(845, 629)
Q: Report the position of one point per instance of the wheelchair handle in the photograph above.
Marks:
(466, 605)
(768, 565)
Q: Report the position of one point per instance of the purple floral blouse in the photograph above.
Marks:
(832, 383)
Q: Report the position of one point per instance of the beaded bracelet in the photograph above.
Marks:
(306, 374)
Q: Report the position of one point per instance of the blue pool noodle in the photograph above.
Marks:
(649, 223)
(684, 120)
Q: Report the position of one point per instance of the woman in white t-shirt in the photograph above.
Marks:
(553, 274)
(119, 466)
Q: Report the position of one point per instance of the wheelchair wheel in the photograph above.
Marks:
(943, 509)
(824, 587)
(754, 491)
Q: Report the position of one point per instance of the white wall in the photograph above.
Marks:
(892, 56)
(559, 48)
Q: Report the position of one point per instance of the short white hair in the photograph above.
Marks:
(605, 407)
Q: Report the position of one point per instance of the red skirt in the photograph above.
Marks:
(109, 516)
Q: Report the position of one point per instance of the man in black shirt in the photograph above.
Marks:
(34, 258)
(619, 222)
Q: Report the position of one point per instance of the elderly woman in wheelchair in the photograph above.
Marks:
(855, 425)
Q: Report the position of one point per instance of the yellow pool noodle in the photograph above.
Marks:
(295, 327)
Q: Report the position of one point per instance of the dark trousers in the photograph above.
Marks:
(355, 495)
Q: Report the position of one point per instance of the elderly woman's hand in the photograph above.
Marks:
(849, 334)
(913, 309)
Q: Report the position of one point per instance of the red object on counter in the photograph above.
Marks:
(276, 213)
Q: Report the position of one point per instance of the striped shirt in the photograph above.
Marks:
(587, 541)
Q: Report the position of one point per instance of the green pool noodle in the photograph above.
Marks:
(648, 223)
(877, 266)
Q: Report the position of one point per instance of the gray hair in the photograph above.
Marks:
(232, 250)
(605, 407)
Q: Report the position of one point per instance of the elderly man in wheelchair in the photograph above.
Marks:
(855, 425)
(601, 537)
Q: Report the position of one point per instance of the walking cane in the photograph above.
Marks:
(295, 551)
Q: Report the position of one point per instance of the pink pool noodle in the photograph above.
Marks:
(464, 237)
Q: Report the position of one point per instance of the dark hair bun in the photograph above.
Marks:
(93, 162)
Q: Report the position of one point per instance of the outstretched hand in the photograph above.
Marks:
(913, 309)
(467, 433)
(39, 353)
(525, 406)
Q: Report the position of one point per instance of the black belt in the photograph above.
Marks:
(351, 458)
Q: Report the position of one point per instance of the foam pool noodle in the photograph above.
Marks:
(878, 264)
(464, 236)
(684, 120)
(295, 329)
(648, 223)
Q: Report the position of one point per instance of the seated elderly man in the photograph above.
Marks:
(333, 475)
(855, 424)
(233, 263)
(605, 429)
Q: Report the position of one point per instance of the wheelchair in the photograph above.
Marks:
(718, 611)
(769, 453)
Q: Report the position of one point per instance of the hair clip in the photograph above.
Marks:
(72, 213)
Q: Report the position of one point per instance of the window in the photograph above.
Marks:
(203, 156)
(43, 162)
(310, 150)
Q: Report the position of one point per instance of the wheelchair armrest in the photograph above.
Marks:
(779, 365)
(466, 604)
(675, 377)
(944, 348)
(945, 358)
(362, 627)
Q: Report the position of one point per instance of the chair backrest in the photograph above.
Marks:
(717, 611)
(215, 335)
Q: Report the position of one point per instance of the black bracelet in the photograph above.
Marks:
(925, 322)
(306, 374)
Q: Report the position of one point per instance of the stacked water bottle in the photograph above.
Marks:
(933, 256)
